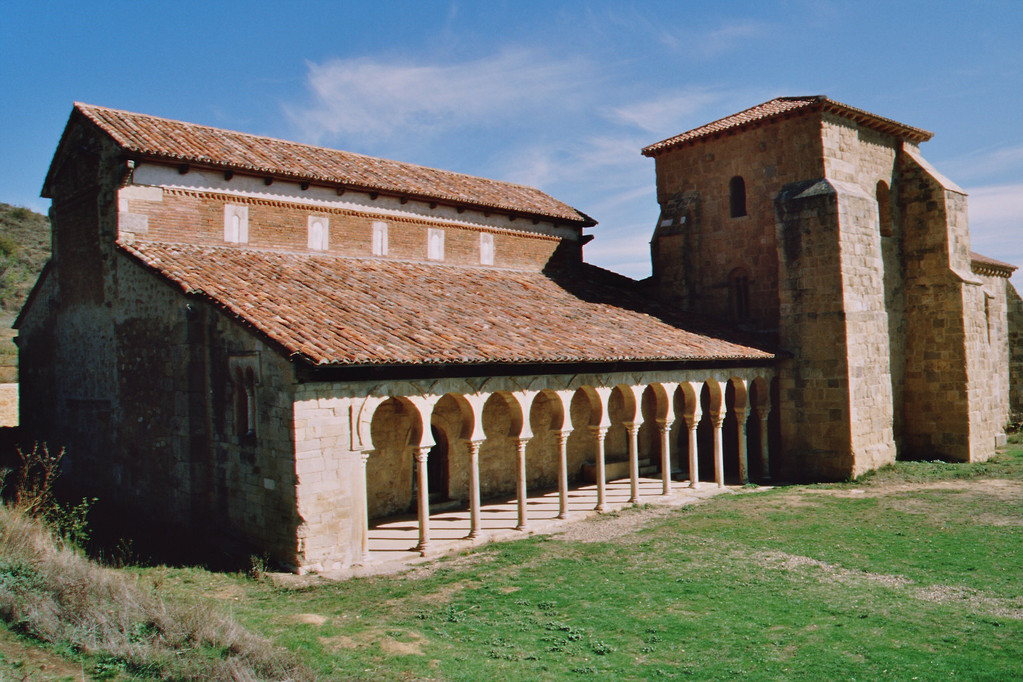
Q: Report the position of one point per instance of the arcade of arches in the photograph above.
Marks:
(454, 449)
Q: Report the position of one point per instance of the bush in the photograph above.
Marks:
(51, 591)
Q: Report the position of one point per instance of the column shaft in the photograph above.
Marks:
(521, 485)
(474, 488)
(562, 437)
(694, 456)
(423, 494)
(633, 430)
(600, 432)
(719, 454)
(666, 458)
(740, 428)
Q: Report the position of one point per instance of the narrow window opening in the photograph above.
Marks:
(737, 196)
(241, 403)
(987, 315)
(486, 248)
(435, 245)
(884, 209)
(739, 293)
(236, 223)
(318, 232)
(379, 244)
(250, 402)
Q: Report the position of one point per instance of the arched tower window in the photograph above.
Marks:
(738, 293)
(737, 196)
(884, 208)
(244, 390)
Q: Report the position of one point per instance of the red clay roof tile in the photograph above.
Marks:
(979, 262)
(783, 105)
(181, 142)
(348, 311)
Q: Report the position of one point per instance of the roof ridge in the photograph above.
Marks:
(85, 107)
(781, 106)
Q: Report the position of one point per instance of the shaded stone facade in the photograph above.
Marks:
(283, 353)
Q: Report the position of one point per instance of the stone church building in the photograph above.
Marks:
(282, 343)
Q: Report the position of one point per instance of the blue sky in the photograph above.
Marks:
(557, 95)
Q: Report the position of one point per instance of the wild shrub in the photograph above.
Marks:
(52, 592)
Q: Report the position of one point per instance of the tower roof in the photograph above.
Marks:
(786, 106)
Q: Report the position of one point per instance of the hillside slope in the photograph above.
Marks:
(24, 249)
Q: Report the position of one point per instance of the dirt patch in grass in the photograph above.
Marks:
(830, 572)
(620, 527)
(1001, 489)
(309, 619)
(937, 594)
(338, 642)
(20, 660)
(396, 647)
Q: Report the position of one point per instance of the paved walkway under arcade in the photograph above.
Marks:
(392, 539)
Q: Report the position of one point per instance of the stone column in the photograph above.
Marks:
(363, 461)
(633, 430)
(665, 427)
(423, 495)
(562, 438)
(719, 455)
(694, 456)
(740, 429)
(520, 445)
(473, 446)
(765, 470)
(599, 432)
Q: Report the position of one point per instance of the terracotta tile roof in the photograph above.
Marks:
(984, 265)
(781, 106)
(346, 311)
(180, 142)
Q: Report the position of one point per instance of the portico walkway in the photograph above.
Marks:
(392, 540)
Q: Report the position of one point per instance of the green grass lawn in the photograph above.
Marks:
(915, 572)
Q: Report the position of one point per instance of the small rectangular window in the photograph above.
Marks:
(318, 231)
(435, 245)
(379, 238)
(486, 248)
(236, 223)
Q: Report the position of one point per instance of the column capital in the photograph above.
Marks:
(365, 455)
(631, 427)
(599, 431)
(422, 453)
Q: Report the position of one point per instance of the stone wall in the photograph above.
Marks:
(1014, 322)
(697, 244)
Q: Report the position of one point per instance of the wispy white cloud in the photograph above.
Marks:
(668, 112)
(712, 43)
(728, 36)
(381, 99)
(988, 164)
(996, 224)
(997, 205)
